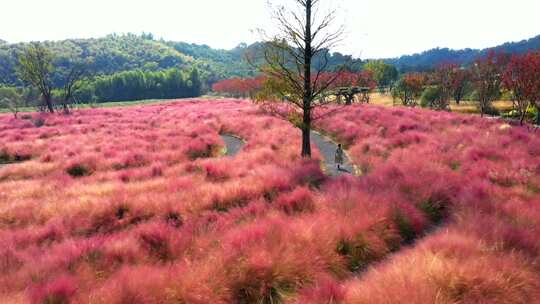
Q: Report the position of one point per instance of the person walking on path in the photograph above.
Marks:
(339, 157)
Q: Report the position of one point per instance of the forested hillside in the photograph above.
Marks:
(102, 56)
(119, 53)
(429, 59)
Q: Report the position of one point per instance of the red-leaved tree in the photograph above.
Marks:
(238, 87)
(486, 77)
(459, 78)
(365, 79)
(522, 77)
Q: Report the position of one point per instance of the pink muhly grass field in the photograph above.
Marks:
(138, 205)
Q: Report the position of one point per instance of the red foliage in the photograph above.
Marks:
(522, 77)
(61, 290)
(298, 201)
(486, 75)
(325, 291)
(238, 87)
(345, 79)
(410, 87)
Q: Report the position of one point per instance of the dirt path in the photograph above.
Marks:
(233, 144)
(328, 149)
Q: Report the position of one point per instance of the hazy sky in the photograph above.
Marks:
(375, 28)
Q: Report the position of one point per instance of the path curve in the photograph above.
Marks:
(233, 144)
(327, 148)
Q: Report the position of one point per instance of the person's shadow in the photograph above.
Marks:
(341, 169)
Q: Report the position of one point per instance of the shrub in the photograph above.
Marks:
(429, 97)
(38, 121)
(435, 207)
(155, 240)
(79, 170)
(298, 201)
(59, 291)
(4, 157)
(358, 250)
(326, 290)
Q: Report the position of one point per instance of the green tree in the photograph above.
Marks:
(35, 67)
(385, 74)
(11, 99)
(409, 88)
(72, 82)
(195, 82)
(137, 85)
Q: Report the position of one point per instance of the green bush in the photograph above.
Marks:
(492, 111)
(429, 97)
(532, 111)
(78, 170)
(405, 228)
(472, 96)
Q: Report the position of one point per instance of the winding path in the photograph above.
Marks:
(328, 148)
(233, 144)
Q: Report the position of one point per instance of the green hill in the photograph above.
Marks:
(114, 54)
(429, 59)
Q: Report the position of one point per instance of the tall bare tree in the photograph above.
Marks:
(296, 60)
(36, 68)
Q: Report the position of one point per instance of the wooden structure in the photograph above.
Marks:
(350, 93)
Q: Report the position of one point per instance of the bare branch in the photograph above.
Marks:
(289, 56)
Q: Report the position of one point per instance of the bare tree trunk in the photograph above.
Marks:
(48, 102)
(289, 57)
(306, 127)
(482, 108)
(306, 138)
(349, 99)
(522, 117)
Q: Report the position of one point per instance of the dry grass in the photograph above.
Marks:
(464, 107)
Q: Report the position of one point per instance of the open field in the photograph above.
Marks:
(463, 107)
(96, 105)
(375, 98)
(140, 205)
(113, 104)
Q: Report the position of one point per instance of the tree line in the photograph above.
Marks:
(430, 59)
(517, 77)
(138, 84)
(372, 74)
(490, 77)
(37, 72)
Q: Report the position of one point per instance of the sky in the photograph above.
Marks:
(374, 28)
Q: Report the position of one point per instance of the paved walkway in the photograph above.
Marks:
(326, 146)
(328, 149)
(233, 144)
